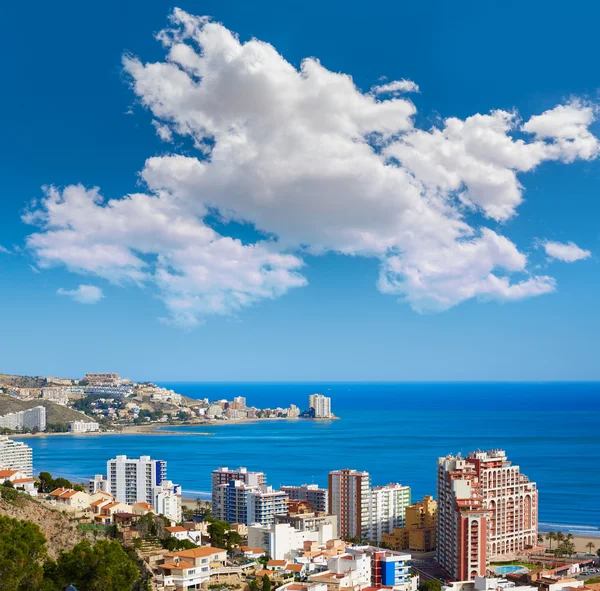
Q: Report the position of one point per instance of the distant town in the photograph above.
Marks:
(480, 534)
(106, 402)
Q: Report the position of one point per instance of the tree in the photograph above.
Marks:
(46, 482)
(217, 531)
(590, 546)
(232, 539)
(430, 585)
(253, 584)
(8, 484)
(263, 559)
(266, 583)
(22, 548)
(104, 566)
(550, 536)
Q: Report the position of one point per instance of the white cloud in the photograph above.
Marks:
(4, 250)
(395, 87)
(163, 131)
(309, 159)
(568, 252)
(84, 294)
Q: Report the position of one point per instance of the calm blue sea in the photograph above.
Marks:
(394, 431)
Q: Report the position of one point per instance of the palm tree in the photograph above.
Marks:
(560, 537)
(551, 536)
(590, 546)
(540, 538)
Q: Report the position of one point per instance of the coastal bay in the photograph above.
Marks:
(394, 431)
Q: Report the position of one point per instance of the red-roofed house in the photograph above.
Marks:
(189, 569)
(19, 480)
(184, 533)
(73, 500)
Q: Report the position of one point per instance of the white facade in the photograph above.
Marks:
(109, 390)
(357, 565)
(15, 455)
(387, 509)
(133, 480)
(98, 483)
(32, 418)
(83, 427)
(167, 500)
(103, 378)
(223, 476)
(321, 406)
(56, 395)
(282, 542)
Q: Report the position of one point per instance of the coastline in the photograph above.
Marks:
(162, 429)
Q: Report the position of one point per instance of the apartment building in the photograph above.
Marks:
(387, 507)
(15, 455)
(77, 427)
(223, 476)
(487, 510)
(349, 502)
(56, 395)
(320, 406)
(132, 480)
(418, 533)
(102, 379)
(310, 522)
(167, 500)
(318, 498)
(32, 418)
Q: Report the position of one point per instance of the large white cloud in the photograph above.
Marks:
(317, 164)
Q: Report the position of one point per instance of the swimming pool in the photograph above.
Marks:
(510, 569)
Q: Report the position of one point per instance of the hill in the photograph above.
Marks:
(59, 529)
(55, 413)
(21, 381)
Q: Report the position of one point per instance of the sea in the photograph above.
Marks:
(395, 431)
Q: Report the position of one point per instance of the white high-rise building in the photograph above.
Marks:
(97, 483)
(387, 508)
(56, 395)
(134, 480)
(32, 418)
(15, 455)
(320, 405)
(167, 500)
(83, 426)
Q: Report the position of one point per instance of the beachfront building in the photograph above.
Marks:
(224, 475)
(487, 510)
(131, 480)
(32, 418)
(386, 509)
(265, 503)
(318, 498)
(320, 406)
(167, 500)
(349, 502)
(15, 455)
(77, 427)
(418, 533)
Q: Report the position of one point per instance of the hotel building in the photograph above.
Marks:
(15, 455)
(133, 480)
(32, 418)
(317, 497)
(349, 501)
(487, 510)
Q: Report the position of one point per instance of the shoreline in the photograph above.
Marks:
(161, 429)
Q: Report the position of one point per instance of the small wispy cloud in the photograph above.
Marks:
(4, 250)
(396, 87)
(84, 294)
(567, 252)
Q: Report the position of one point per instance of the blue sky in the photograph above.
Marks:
(73, 113)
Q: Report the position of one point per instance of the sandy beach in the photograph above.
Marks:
(581, 543)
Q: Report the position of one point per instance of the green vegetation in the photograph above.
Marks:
(47, 484)
(266, 583)
(592, 580)
(430, 585)
(221, 534)
(104, 566)
(24, 565)
(8, 494)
